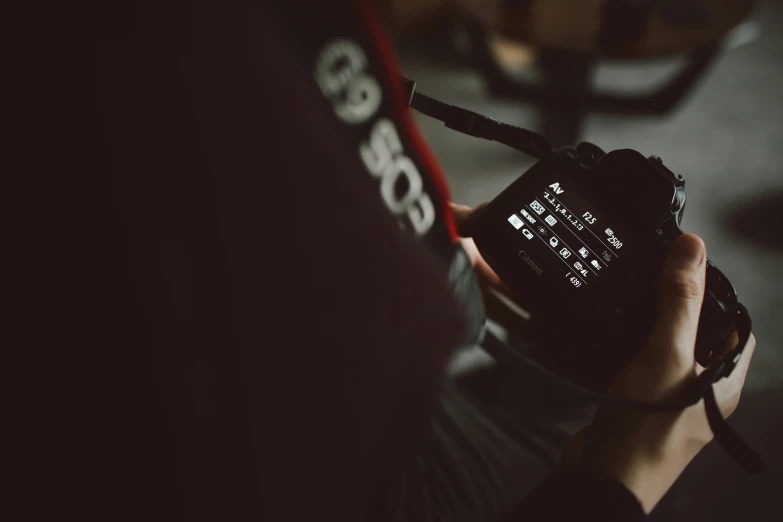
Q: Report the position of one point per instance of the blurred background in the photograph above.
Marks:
(697, 82)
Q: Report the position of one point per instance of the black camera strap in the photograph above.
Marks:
(533, 144)
(478, 125)
(702, 388)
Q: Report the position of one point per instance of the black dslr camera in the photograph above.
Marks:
(580, 238)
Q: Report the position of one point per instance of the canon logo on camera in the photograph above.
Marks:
(532, 264)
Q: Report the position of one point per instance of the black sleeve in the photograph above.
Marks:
(579, 494)
(289, 334)
(483, 461)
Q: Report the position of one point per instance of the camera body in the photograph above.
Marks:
(581, 239)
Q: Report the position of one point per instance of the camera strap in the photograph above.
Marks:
(534, 144)
(702, 388)
(477, 125)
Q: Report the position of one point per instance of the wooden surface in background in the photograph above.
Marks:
(574, 25)
(409, 15)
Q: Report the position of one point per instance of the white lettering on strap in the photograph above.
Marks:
(340, 72)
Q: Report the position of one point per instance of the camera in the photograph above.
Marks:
(581, 239)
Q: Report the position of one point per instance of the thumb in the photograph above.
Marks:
(682, 292)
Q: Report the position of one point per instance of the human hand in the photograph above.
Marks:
(648, 451)
(499, 304)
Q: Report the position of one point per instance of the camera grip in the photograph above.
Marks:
(719, 309)
(718, 313)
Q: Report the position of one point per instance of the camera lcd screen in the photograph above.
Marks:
(561, 233)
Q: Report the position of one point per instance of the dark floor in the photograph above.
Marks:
(727, 140)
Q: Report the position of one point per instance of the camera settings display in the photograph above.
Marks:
(567, 235)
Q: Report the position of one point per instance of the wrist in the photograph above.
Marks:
(644, 454)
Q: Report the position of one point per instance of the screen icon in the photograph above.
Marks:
(595, 264)
(549, 219)
(565, 253)
(527, 216)
(583, 252)
(609, 232)
(527, 233)
(536, 206)
(515, 221)
(553, 241)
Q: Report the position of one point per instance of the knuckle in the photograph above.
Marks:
(730, 406)
(729, 394)
(685, 284)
